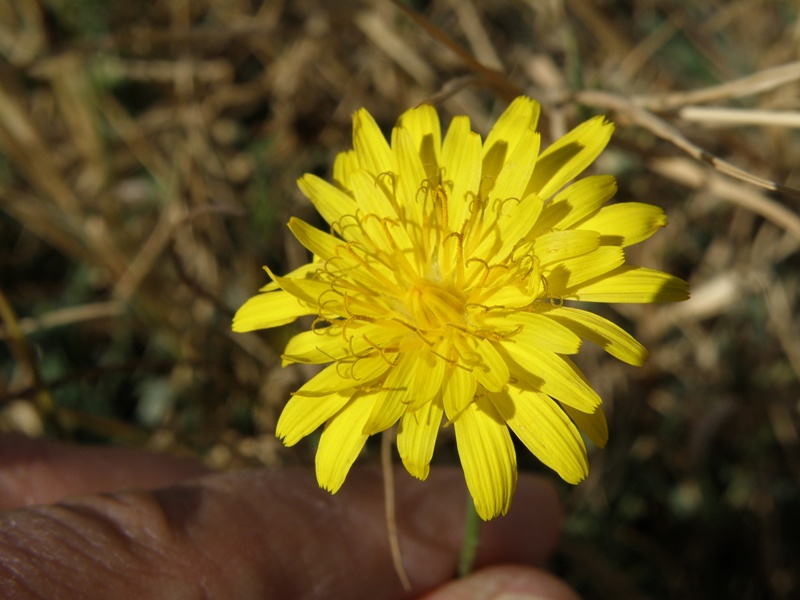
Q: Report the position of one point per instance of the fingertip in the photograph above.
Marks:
(506, 582)
(530, 531)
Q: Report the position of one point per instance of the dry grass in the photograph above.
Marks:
(147, 166)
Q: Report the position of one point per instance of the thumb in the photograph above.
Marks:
(257, 534)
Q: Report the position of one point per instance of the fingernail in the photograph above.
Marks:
(518, 596)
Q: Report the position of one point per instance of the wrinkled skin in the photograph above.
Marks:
(178, 531)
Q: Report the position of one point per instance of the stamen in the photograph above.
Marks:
(440, 195)
(382, 352)
(326, 270)
(316, 329)
(361, 358)
(323, 304)
(414, 329)
(391, 176)
(344, 375)
(339, 223)
(328, 354)
(347, 323)
(477, 205)
(485, 266)
(349, 248)
(494, 267)
(465, 330)
(353, 350)
(534, 260)
(365, 318)
(370, 389)
(499, 204)
(384, 221)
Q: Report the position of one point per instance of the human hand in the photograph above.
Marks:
(250, 534)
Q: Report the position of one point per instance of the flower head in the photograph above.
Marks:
(441, 295)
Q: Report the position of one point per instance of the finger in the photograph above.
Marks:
(507, 581)
(260, 534)
(43, 471)
(521, 536)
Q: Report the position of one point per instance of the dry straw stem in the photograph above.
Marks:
(757, 83)
(714, 116)
(505, 88)
(693, 175)
(25, 359)
(67, 316)
(387, 39)
(784, 326)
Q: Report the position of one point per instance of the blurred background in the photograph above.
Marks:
(148, 158)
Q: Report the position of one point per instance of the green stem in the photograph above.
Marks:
(469, 545)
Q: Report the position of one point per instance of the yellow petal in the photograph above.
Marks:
(513, 178)
(632, 284)
(610, 337)
(307, 289)
(370, 145)
(318, 242)
(341, 442)
(538, 330)
(320, 345)
(416, 437)
(561, 245)
(426, 382)
(520, 116)
(569, 156)
(552, 374)
(326, 344)
(411, 178)
(627, 223)
(301, 272)
(488, 458)
(332, 203)
(574, 271)
(395, 395)
(577, 201)
(594, 424)
(422, 123)
(507, 191)
(344, 166)
(507, 296)
(369, 273)
(459, 390)
(514, 224)
(303, 414)
(269, 310)
(461, 170)
(492, 371)
(343, 375)
(540, 424)
(371, 198)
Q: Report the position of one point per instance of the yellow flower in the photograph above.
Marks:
(442, 290)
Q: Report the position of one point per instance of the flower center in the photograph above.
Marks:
(434, 307)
